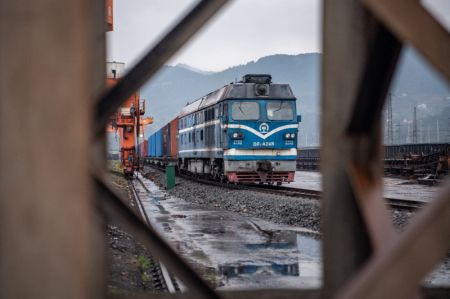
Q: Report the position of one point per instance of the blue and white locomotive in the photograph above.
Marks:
(244, 132)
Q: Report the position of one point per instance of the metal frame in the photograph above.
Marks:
(363, 256)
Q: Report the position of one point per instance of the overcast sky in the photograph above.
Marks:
(245, 31)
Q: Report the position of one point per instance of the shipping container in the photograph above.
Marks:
(158, 143)
(165, 141)
(151, 145)
(173, 133)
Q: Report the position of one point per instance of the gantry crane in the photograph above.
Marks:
(128, 120)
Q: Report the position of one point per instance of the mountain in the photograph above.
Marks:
(414, 83)
(196, 70)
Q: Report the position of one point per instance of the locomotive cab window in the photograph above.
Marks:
(280, 110)
(245, 110)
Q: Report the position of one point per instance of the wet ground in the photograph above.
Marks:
(244, 252)
(129, 263)
(393, 187)
(245, 239)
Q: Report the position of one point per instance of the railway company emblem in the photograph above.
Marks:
(264, 128)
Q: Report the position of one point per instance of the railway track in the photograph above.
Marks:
(400, 204)
(161, 278)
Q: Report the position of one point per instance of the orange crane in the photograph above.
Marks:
(128, 120)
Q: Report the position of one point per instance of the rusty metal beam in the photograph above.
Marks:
(365, 168)
(154, 60)
(424, 242)
(375, 81)
(51, 245)
(117, 211)
(236, 294)
(428, 293)
(413, 24)
(368, 189)
(349, 32)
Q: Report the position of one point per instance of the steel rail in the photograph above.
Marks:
(164, 277)
(149, 65)
(397, 203)
(114, 207)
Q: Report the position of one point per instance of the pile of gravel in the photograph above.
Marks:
(301, 212)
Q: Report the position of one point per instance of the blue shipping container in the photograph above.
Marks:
(149, 147)
(159, 143)
(153, 145)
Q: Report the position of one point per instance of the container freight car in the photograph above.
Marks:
(158, 143)
(165, 141)
(308, 158)
(152, 146)
(155, 146)
(173, 133)
(163, 144)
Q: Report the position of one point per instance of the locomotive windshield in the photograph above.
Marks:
(280, 110)
(245, 110)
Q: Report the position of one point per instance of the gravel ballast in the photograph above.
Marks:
(300, 212)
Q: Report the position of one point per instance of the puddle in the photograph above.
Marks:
(245, 252)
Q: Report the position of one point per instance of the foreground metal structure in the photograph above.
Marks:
(53, 73)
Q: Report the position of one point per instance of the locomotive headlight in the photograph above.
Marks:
(237, 135)
(289, 136)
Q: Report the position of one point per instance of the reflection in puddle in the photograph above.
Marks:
(230, 271)
(245, 253)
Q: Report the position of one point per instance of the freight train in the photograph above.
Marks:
(244, 132)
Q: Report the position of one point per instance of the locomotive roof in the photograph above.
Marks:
(238, 91)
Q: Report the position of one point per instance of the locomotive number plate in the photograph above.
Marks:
(264, 143)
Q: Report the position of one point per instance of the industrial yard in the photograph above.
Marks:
(245, 239)
(225, 149)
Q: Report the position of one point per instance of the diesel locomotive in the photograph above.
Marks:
(244, 132)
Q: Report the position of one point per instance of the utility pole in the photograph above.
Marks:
(437, 131)
(421, 135)
(407, 139)
(390, 132)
